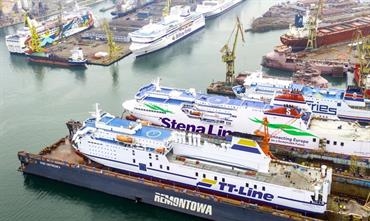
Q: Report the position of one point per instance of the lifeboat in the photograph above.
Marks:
(125, 139)
(131, 117)
(160, 150)
(145, 123)
(291, 97)
(286, 111)
(195, 113)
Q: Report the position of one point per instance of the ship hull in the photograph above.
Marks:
(332, 34)
(96, 179)
(223, 8)
(56, 62)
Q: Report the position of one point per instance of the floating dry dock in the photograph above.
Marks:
(60, 162)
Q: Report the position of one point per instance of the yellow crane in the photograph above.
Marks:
(229, 55)
(34, 43)
(312, 26)
(166, 9)
(111, 44)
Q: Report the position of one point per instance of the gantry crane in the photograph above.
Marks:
(229, 55)
(313, 25)
(111, 44)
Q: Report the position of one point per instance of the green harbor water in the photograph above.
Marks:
(36, 101)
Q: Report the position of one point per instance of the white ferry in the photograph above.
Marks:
(213, 8)
(236, 168)
(186, 109)
(49, 30)
(180, 23)
(326, 103)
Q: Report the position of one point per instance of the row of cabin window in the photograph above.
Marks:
(150, 164)
(328, 142)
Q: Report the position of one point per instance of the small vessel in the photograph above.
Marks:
(236, 168)
(213, 8)
(50, 30)
(282, 58)
(293, 125)
(124, 7)
(75, 60)
(180, 23)
(327, 103)
(328, 34)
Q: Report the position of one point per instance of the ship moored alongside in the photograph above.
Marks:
(50, 30)
(325, 103)
(213, 8)
(180, 22)
(236, 168)
(186, 109)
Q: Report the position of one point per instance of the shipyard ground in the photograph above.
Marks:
(93, 42)
(60, 162)
(282, 15)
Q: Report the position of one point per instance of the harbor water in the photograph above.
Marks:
(36, 101)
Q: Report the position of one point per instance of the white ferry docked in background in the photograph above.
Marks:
(186, 109)
(49, 30)
(213, 8)
(326, 103)
(179, 23)
(236, 168)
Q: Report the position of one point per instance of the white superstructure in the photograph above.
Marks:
(325, 103)
(186, 109)
(180, 23)
(212, 8)
(235, 168)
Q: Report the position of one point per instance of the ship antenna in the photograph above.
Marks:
(156, 84)
(97, 112)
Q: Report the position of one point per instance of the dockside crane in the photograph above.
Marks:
(313, 25)
(34, 43)
(112, 47)
(229, 55)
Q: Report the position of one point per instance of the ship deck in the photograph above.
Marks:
(282, 174)
(343, 129)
